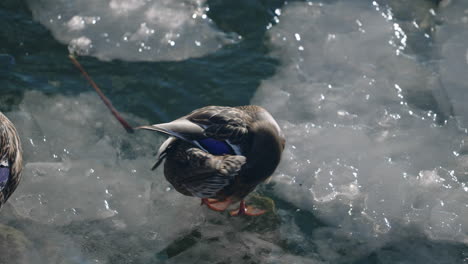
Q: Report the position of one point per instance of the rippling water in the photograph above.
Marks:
(370, 94)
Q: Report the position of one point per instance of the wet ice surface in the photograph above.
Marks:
(88, 196)
(83, 167)
(360, 155)
(135, 30)
(374, 170)
(452, 37)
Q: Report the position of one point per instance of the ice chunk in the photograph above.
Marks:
(360, 153)
(82, 166)
(134, 30)
(451, 38)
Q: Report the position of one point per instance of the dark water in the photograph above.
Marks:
(88, 195)
(158, 91)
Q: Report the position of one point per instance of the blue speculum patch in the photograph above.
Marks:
(216, 147)
(4, 176)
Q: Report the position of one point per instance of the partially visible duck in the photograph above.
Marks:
(10, 159)
(220, 154)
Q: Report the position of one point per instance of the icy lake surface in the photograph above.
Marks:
(371, 96)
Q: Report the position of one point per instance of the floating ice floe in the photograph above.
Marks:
(82, 166)
(358, 155)
(134, 30)
(451, 38)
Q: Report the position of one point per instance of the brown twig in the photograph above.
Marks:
(106, 101)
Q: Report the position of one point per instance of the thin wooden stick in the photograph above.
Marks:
(106, 101)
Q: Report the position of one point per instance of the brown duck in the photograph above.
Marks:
(216, 153)
(220, 154)
(10, 159)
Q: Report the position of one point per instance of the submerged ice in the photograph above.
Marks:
(134, 30)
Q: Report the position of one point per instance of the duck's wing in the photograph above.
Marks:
(8, 182)
(217, 122)
(162, 152)
(179, 128)
(222, 123)
(209, 174)
(4, 173)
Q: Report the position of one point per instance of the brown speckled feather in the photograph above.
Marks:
(195, 172)
(10, 150)
(256, 140)
(222, 123)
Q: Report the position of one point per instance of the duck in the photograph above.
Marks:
(10, 159)
(220, 154)
(216, 153)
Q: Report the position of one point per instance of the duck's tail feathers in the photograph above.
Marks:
(162, 152)
(180, 128)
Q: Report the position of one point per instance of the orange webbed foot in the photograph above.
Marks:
(216, 205)
(247, 210)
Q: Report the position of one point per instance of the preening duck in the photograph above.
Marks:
(220, 154)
